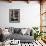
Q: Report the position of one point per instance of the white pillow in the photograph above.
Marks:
(28, 31)
(23, 31)
(5, 32)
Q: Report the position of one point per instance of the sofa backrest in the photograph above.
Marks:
(23, 31)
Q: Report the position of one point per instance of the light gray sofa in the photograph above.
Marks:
(17, 35)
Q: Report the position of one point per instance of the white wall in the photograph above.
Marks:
(29, 14)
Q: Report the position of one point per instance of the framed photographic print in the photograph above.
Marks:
(14, 15)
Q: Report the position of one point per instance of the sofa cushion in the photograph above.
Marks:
(22, 38)
(17, 30)
(11, 30)
(23, 31)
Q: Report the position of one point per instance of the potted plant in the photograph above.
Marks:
(37, 33)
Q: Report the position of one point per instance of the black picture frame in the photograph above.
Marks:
(14, 15)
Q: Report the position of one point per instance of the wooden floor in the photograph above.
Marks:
(35, 43)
